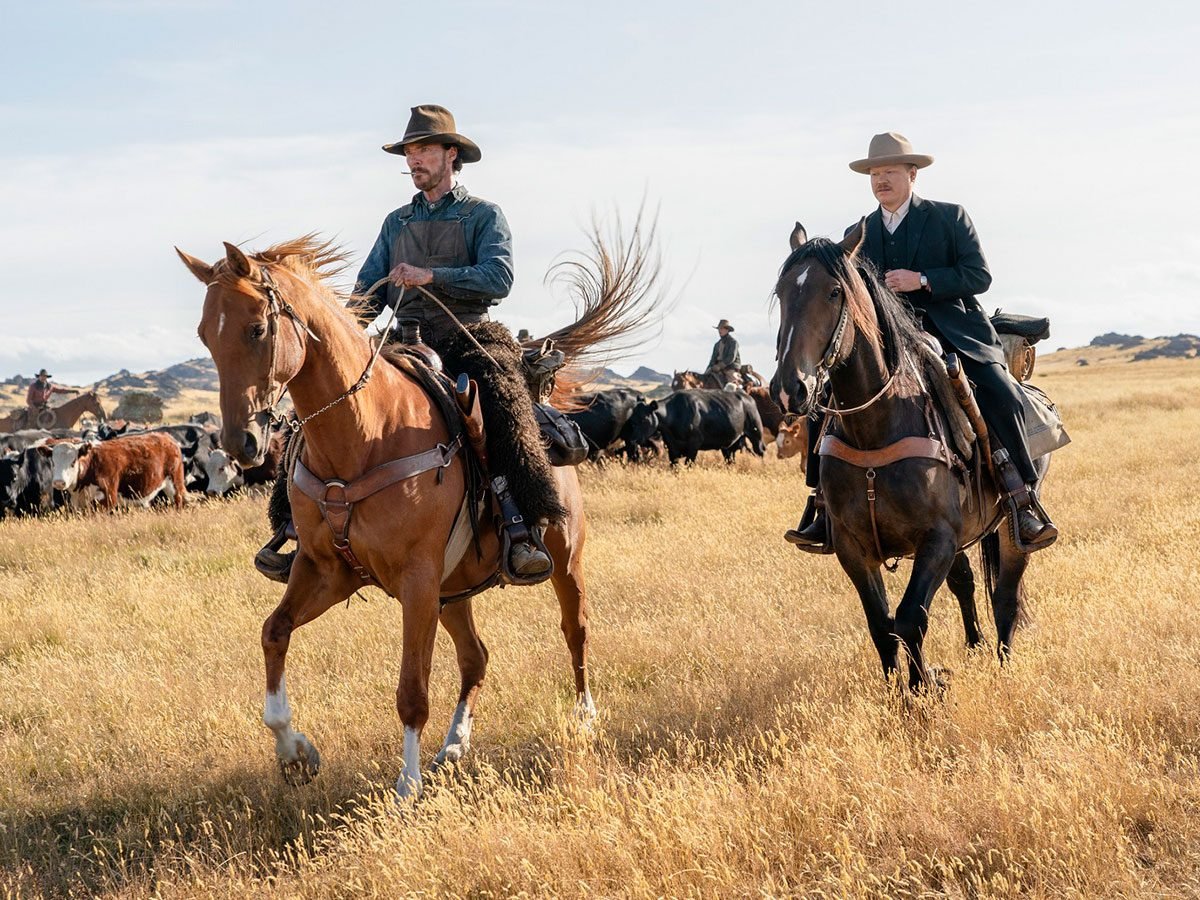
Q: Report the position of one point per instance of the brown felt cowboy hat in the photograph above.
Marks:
(430, 122)
(43, 372)
(724, 323)
(890, 149)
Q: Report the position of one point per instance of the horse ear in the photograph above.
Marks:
(238, 261)
(799, 236)
(199, 268)
(853, 240)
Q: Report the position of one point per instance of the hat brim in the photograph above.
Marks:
(864, 166)
(719, 327)
(468, 152)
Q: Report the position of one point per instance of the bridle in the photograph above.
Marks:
(277, 307)
(830, 360)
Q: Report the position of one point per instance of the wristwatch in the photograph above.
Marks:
(924, 282)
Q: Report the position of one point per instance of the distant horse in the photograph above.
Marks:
(270, 321)
(838, 320)
(689, 380)
(64, 416)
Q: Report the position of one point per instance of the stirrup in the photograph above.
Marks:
(1035, 507)
(507, 574)
(270, 562)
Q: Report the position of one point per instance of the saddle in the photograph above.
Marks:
(458, 402)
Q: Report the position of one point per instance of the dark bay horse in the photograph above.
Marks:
(838, 320)
(270, 321)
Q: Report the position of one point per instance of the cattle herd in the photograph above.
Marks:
(103, 467)
(625, 423)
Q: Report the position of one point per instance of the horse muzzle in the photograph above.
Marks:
(792, 390)
(247, 445)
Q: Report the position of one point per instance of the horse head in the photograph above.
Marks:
(256, 354)
(820, 294)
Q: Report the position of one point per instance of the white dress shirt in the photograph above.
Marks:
(892, 220)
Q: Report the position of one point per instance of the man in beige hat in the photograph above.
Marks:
(726, 356)
(929, 254)
(459, 249)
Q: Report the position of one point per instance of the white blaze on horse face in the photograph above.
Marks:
(65, 460)
(220, 323)
(800, 279)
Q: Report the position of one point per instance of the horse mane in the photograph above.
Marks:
(890, 323)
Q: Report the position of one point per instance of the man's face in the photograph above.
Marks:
(430, 164)
(722, 331)
(892, 185)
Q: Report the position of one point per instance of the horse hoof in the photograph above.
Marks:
(303, 766)
(448, 756)
(408, 791)
(585, 712)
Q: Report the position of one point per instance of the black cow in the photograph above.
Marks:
(695, 420)
(603, 417)
(26, 487)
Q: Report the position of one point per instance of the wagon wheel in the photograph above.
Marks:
(46, 418)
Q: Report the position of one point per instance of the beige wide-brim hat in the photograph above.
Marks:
(430, 122)
(890, 149)
(724, 323)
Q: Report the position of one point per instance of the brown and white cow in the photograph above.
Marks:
(134, 468)
(792, 439)
(225, 474)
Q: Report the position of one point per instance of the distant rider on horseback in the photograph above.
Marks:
(929, 254)
(37, 398)
(726, 362)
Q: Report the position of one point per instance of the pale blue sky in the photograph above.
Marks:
(1069, 132)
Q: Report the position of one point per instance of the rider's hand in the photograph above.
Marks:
(902, 280)
(405, 275)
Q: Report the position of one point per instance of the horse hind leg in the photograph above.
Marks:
(419, 597)
(308, 595)
(961, 581)
(458, 619)
(566, 547)
(1008, 566)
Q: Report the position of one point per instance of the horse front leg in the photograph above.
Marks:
(868, 581)
(419, 598)
(1007, 593)
(961, 581)
(931, 564)
(309, 593)
(459, 620)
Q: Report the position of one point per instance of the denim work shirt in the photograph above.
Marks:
(489, 244)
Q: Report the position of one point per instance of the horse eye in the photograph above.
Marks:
(257, 331)
(835, 293)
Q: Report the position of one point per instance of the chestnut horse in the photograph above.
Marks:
(65, 416)
(271, 322)
(838, 321)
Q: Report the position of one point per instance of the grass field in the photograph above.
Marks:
(746, 743)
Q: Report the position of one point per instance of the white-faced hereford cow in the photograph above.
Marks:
(135, 468)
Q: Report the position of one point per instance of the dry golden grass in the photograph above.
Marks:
(746, 743)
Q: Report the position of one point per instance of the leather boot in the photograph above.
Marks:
(270, 562)
(1034, 527)
(528, 562)
(812, 534)
(1031, 525)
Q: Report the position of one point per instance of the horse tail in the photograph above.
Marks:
(616, 287)
(989, 556)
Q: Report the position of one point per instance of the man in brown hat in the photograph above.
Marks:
(37, 397)
(726, 357)
(929, 254)
(459, 249)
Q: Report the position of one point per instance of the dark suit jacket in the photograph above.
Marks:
(942, 243)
